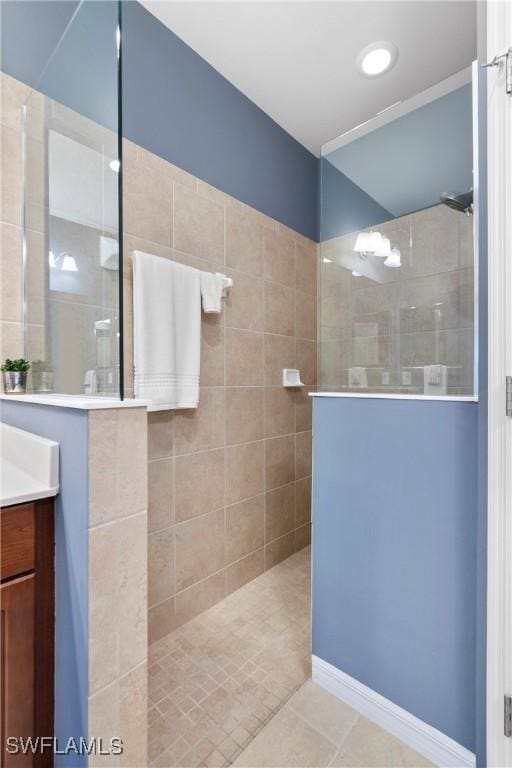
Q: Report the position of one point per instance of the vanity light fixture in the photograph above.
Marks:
(384, 248)
(68, 263)
(375, 244)
(368, 243)
(64, 261)
(394, 259)
(363, 243)
(377, 58)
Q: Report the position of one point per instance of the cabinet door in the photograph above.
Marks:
(17, 638)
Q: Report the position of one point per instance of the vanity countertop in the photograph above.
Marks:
(29, 466)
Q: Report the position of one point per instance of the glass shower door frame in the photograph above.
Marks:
(40, 91)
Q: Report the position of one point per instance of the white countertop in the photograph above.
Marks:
(19, 487)
(83, 402)
(29, 466)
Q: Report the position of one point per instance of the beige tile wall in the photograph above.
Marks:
(117, 463)
(394, 320)
(25, 181)
(13, 95)
(118, 646)
(230, 482)
(236, 470)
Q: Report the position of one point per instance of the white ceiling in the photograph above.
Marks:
(297, 60)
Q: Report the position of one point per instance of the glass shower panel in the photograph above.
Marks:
(397, 265)
(72, 325)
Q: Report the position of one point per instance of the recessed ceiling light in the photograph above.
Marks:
(377, 58)
(326, 260)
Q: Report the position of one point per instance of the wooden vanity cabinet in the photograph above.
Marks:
(27, 599)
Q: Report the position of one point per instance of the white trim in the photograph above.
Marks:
(399, 110)
(475, 103)
(499, 489)
(428, 741)
(390, 396)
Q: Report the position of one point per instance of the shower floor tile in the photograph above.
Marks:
(216, 681)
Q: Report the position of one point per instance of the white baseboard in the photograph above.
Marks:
(423, 738)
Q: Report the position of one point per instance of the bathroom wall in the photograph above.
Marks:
(101, 574)
(174, 103)
(13, 95)
(261, 490)
(30, 31)
(345, 207)
(230, 483)
(117, 581)
(394, 558)
(61, 307)
(70, 429)
(411, 543)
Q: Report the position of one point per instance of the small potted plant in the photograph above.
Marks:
(42, 376)
(14, 373)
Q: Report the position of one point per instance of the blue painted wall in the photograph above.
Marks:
(345, 207)
(406, 164)
(394, 552)
(174, 103)
(69, 428)
(30, 31)
(177, 105)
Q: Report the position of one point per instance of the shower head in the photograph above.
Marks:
(462, 203)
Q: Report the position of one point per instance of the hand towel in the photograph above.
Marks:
(167, 331)
(435, 379)
(211, 291)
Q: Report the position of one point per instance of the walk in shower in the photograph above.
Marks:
(72, 242)
(397, 290)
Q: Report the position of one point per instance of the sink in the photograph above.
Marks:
(29, 466)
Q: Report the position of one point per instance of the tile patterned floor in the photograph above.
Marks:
(216, 681)
(233, 686)
(315, 730)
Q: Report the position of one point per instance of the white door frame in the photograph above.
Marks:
(499, 572)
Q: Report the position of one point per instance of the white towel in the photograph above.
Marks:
(166, 331)
(211, 291)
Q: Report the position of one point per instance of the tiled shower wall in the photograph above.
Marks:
(61, 314)
(391, 321)
(13, 95)
(237, 470)
(230, 482)
(117, 571)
